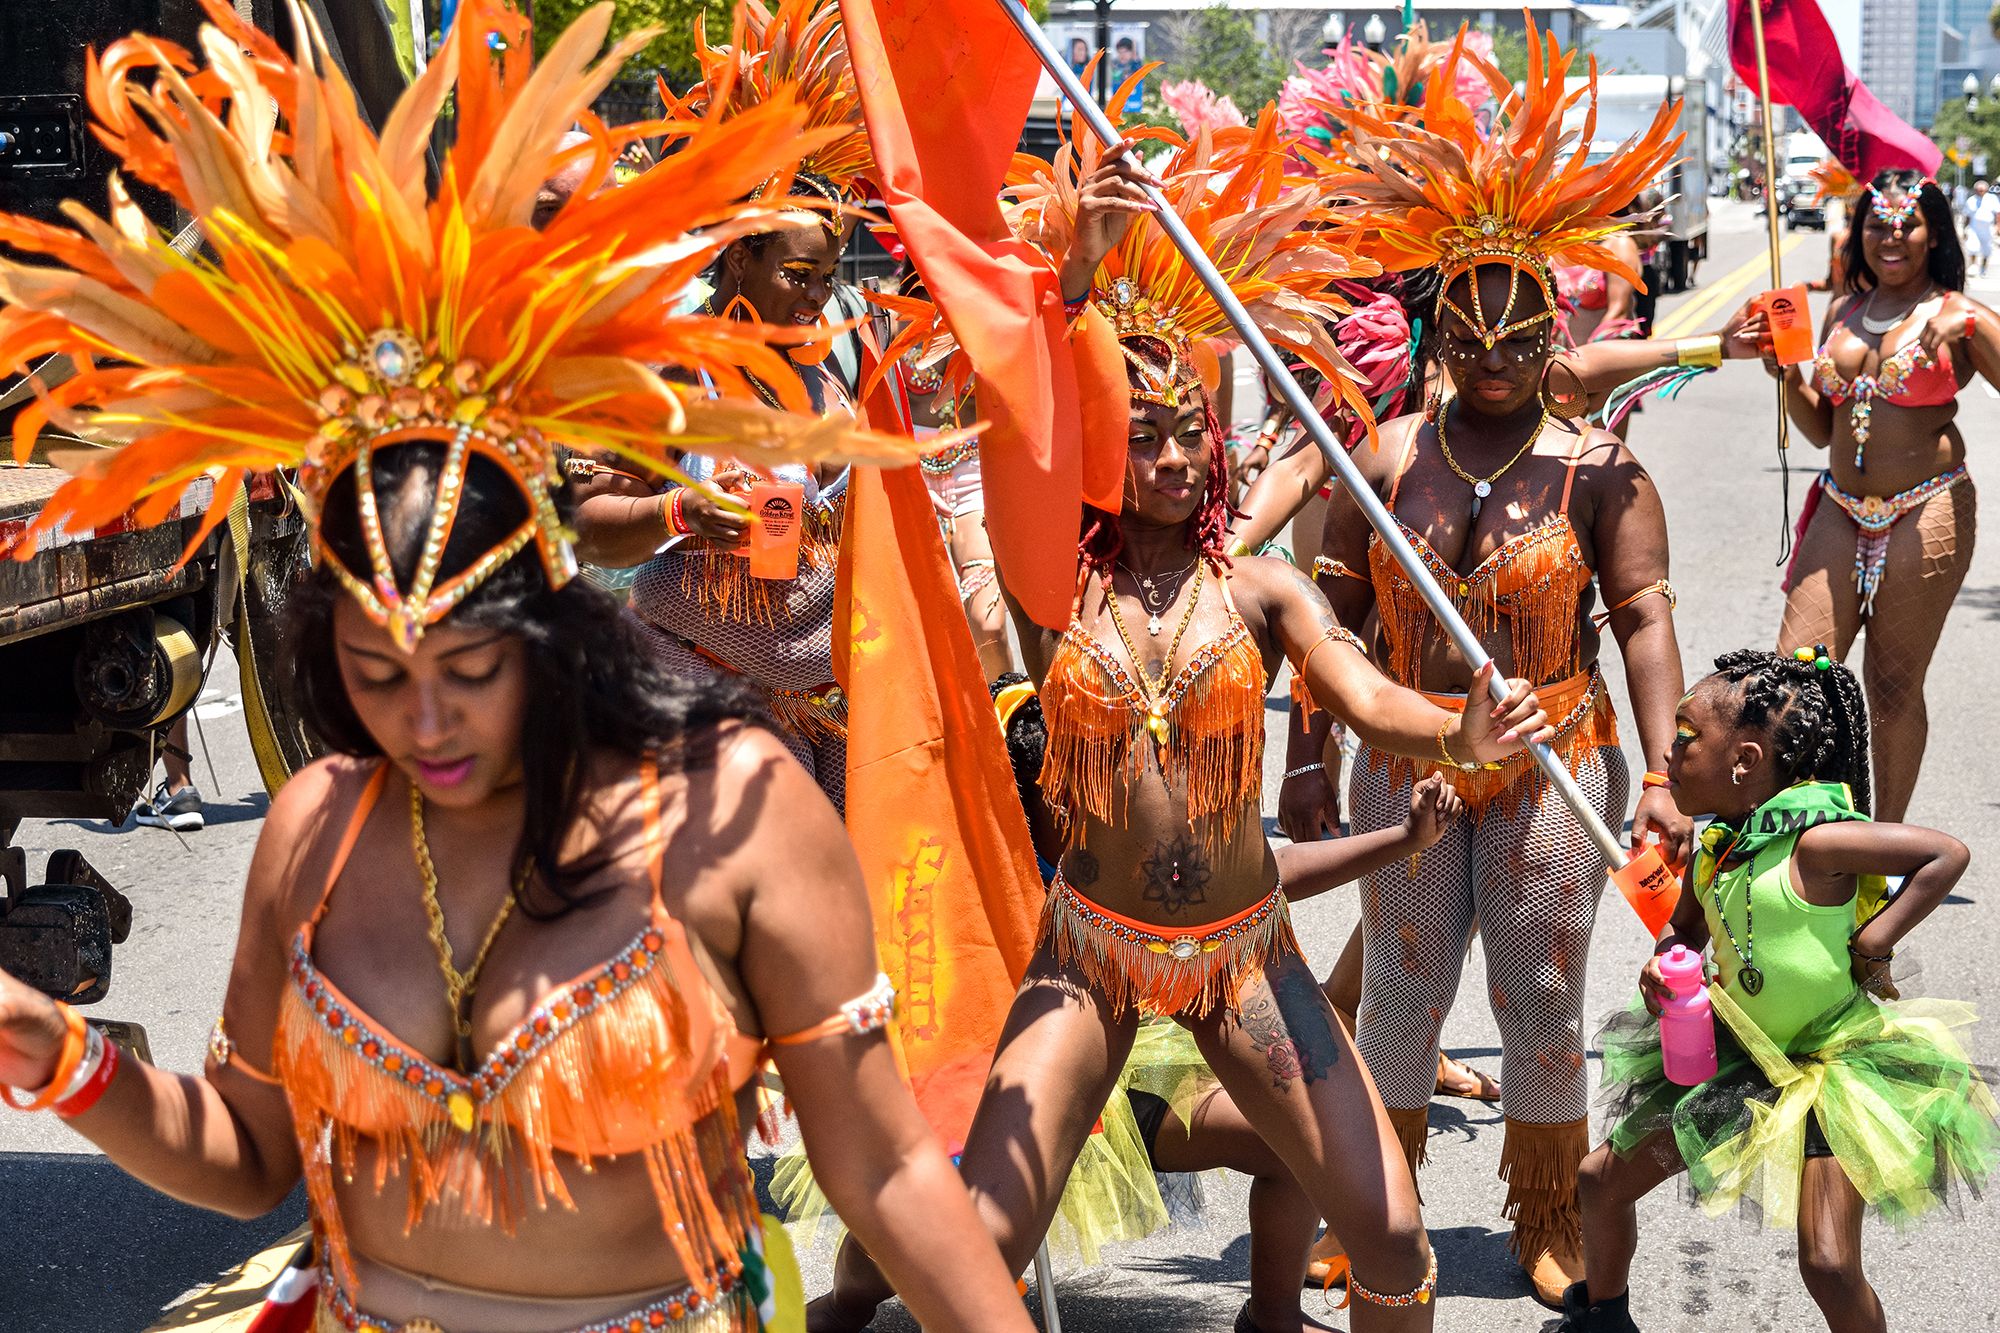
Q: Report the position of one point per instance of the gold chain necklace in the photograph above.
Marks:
(1483, 486)
(1154, 694)
(458, 986)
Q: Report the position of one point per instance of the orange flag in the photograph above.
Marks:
(931, 807)
(945, 85)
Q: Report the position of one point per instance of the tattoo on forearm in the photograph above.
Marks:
(1286, 1019)
(1079, 867)
(1177, 874)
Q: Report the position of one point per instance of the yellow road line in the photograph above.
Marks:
(1722, 293)
(231, 1303)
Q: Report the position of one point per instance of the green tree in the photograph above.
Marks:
(1219, 46)
(1981, 129)
(672, 51)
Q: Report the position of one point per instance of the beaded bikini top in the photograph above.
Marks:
(1533, 579)
(1205, 729)
(635, 1056)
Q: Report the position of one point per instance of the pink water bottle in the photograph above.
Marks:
(1687, 1023)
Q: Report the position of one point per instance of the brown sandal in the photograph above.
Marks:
(1461, 1080)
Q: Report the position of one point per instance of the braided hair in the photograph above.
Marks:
(1813, 714)
(1208, 533)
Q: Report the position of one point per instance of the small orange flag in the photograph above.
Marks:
(945, 86)
(931, 806)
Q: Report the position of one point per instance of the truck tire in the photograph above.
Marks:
(279, 739)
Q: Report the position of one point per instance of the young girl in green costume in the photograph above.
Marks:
(1828, 1100)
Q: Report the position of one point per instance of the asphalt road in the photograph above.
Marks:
(83, 1249)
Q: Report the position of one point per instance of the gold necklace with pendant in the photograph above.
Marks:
(1152, 693)
(459, 987)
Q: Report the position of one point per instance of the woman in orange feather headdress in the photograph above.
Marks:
(1166, 900)
(510, 768)
(704, 612)
(1520, 515)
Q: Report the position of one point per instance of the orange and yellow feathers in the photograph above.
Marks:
(1267, 232)
(1447, 189)
(797, 53)
(340, 297)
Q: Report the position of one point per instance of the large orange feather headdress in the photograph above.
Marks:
(342, 308)
(1266, 232)
(1523, 193)
(798, 52)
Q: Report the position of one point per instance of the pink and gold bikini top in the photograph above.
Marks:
(1533, 580)
(638, 1055)
(1206, 730)
(1907, 377)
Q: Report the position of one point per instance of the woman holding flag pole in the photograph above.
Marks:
(1167, 900)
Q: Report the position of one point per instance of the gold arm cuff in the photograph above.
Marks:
(1705, 351)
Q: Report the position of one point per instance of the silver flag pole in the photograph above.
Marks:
(1343, 467)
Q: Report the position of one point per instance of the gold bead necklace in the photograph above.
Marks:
(1154, 694)
(459, 987)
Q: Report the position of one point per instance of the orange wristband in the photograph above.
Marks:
(75, 1041)
(1655, 778)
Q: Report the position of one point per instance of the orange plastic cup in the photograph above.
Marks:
(1651, 886)
(777, 523)
(1790, 318)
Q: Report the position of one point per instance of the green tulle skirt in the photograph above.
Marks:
(1112, 1194)
(1888, 1086)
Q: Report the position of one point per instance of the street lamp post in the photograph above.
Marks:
(1104, 46)
(1334, 29)
(1374, 32)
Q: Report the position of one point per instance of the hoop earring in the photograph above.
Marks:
(1568, 406)
(1735, 777)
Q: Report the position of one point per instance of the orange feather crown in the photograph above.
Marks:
(1265, 230)
(1522, 193)
(343, 308)
(798, 52)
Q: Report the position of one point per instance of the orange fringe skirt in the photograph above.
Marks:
(1162, 971)
(1584, 720)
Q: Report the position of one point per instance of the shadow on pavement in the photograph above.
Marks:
(86, 1246)
(213, 814)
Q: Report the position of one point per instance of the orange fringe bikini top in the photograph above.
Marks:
(1534, 580)
(638, 1055)
(1205, 730)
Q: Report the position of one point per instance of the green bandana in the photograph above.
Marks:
(1799, 807)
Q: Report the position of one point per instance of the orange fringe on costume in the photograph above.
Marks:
(607, 1065)
(1584, 721)
(1160, 970)
(1206, 734)
(720, 580)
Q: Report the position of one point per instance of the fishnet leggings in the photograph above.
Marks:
(796, 654)
(1929, 553)
(1532, 879)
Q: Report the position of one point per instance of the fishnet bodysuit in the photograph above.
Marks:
(794, 652)
(1929, 553)
(1532, 879)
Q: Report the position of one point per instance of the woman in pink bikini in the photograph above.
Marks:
(1886, 536)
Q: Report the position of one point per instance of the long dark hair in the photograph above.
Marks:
(593, 684)
(1208, 534)
(1946, 260)
(1815, 716)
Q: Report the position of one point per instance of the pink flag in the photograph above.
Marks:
(1808, 74)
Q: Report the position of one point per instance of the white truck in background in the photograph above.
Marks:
(1626, 105)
